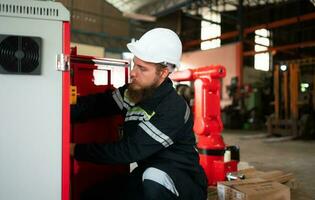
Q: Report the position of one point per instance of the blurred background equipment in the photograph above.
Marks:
(250, 104)
(187, 92)
(294, 105)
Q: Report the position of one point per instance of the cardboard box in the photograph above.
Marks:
(252, 189)
(224, 189)
(275, 175)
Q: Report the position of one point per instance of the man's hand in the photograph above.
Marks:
(72, 146)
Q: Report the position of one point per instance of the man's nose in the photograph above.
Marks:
(133, 72)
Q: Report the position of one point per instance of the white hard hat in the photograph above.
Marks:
(159, 45)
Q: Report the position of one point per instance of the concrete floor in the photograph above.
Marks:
(295, 156)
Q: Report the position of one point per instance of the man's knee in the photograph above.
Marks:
(158, 185)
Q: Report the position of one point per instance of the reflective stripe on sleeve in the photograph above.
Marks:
(118, 99)
(187, 113)
(156, 134)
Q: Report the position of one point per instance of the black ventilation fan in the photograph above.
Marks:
(20, 54)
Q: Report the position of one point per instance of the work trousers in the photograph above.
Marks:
(146, 184)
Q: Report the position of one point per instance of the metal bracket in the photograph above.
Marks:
(63, 62)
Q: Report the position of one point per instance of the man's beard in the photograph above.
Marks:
(142, 94)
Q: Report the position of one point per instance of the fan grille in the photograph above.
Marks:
(19, 54)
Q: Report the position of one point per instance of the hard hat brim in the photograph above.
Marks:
(139, 53)
(136, 50)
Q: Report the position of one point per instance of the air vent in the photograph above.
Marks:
(20, 54)
(28, 10)
(34, 9)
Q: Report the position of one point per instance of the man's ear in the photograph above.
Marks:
(165, 73)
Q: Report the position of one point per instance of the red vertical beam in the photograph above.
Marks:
(239, 62)
(127, 74)
(276, 79)
(285, 89)
(65, 190)
(313, 91)
(294, 90)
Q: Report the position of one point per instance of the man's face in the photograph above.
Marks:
(145, 77)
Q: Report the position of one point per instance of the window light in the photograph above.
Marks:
(262, 42)
(210, 30)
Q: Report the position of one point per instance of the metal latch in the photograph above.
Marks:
(73, 95)
(63, 62)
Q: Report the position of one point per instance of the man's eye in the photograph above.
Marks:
(142, 68)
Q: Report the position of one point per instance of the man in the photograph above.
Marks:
(157, 128)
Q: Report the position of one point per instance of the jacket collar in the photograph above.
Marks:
(160, 92)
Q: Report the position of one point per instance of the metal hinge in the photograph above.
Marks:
(63, 62)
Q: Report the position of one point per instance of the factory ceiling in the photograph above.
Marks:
(162, 7)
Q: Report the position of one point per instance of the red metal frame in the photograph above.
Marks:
(102, 130)
(65, 190)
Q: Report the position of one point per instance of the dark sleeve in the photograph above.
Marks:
(125, 151)
(97, 105)
(151, 136)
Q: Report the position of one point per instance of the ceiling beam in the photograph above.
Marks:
(283, 22)
(271, 25)
(163, 7)
(201, 18)
(282, 48)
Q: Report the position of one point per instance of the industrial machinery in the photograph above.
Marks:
(36, 71)
(207, 122)
(294, 102)
(94, 75)
(250, 104)
(34, 93)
